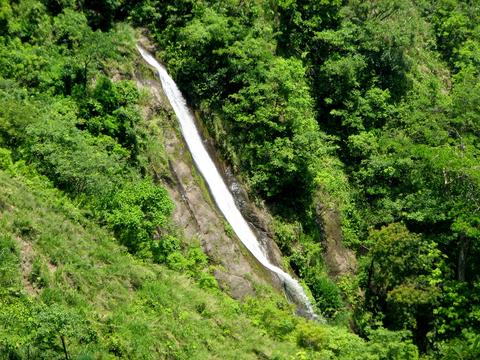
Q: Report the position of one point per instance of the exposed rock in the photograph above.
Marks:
(340, 260)
(258, 218)
(26, 260)
(197, 215)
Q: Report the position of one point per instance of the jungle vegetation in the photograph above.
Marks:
(371, 108)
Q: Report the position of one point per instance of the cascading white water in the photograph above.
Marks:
(218, 188)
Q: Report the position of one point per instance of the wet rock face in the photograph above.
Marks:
(259, 219)
(197, 215)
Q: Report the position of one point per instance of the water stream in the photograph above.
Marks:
(219, 189)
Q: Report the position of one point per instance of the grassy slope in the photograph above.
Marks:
(138, 310)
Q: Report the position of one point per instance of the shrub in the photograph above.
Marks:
(136, 213)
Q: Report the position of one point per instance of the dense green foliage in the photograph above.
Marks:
(370, 109)
(91, 265)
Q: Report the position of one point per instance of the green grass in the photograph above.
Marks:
(136, 309)
(64, 277)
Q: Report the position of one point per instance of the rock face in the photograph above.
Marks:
(340, 260)
(197, 215)
(258, 218)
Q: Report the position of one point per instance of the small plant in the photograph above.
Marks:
(228, 229)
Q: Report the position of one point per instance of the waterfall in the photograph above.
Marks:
(219, 189)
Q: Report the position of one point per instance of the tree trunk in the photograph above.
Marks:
(64, 348)
(368, 290)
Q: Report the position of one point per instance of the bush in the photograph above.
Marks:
(139, 212)
(326, 294)
(5, 159)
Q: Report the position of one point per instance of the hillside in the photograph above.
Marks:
(348, 132)
(64, 279)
